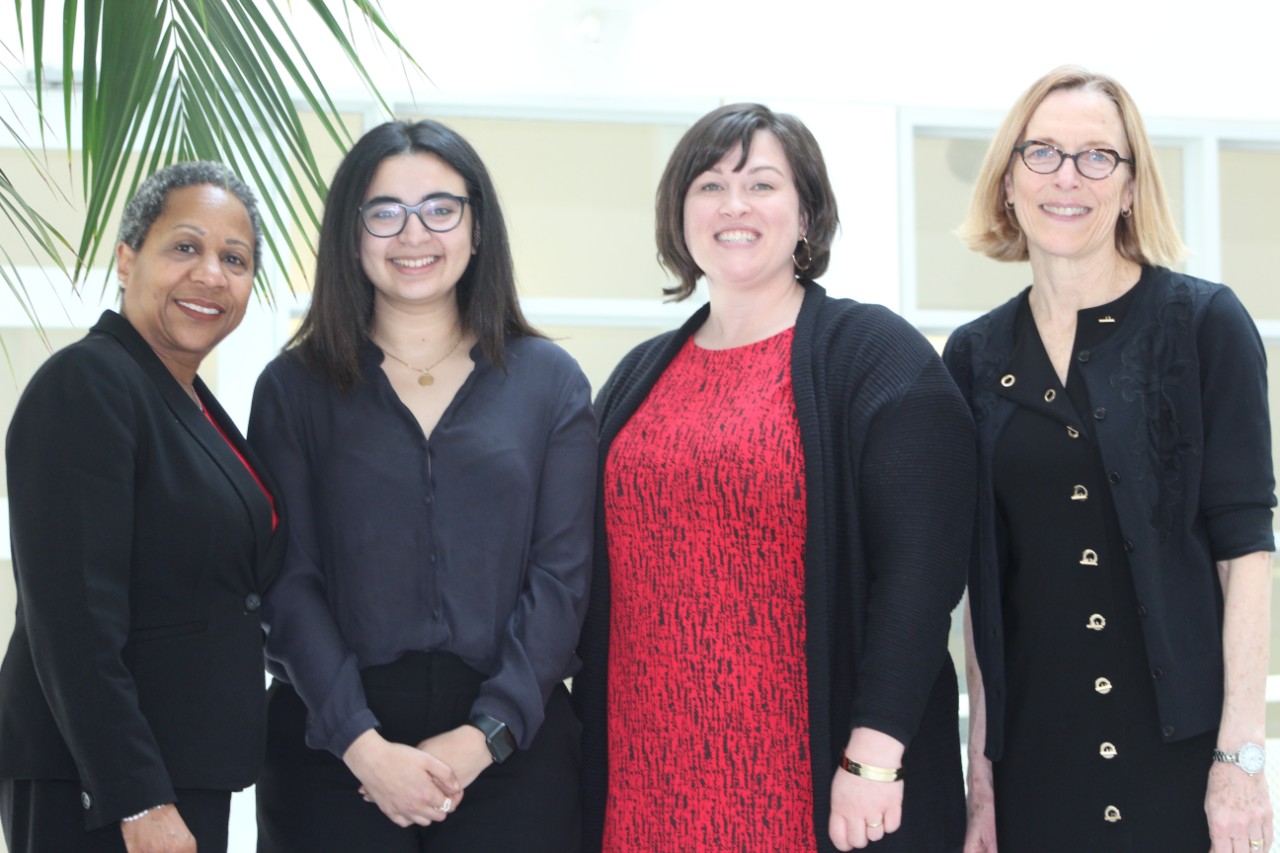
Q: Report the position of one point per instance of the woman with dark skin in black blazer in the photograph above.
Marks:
(144, 533)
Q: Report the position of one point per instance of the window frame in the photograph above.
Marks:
(1200, 142)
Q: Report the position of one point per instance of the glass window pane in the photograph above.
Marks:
(578, 199)
(948, 275)
(1249, 183)
(1169, 163)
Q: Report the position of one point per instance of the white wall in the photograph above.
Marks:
(1178, 58)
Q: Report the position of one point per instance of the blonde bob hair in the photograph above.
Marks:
(1149, 236)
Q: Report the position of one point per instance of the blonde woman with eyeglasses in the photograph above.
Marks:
(1119, 587)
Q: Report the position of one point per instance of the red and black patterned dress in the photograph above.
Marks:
(708, 710)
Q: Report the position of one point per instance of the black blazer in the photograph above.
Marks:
(141, 549)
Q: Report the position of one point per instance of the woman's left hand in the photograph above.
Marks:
(863, 811)
(159, 830)
(463, 749)
(1239, 810)
(1237, 804)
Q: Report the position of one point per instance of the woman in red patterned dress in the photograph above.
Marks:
(784, 509)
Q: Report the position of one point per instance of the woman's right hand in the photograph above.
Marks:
(161, 830)
(981, 834)
(409, 785)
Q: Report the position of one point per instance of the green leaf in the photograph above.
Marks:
(163, 80)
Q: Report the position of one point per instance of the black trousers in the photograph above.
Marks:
(308, 800)
(44, 815)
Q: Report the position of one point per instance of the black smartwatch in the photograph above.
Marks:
(496, 734)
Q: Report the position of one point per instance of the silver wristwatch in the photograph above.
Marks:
(1250, 758)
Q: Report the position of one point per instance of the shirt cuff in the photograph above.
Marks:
(341, 739)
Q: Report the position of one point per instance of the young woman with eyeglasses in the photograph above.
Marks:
(441, 455)
(1120, 581)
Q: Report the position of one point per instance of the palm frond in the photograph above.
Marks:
(163, 80)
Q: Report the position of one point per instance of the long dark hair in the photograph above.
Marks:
(336, 324)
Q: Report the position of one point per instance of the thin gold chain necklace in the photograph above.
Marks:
(425, 378)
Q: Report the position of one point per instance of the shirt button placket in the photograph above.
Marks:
(428, 500)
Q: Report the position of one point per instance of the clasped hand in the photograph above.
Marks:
(418, 785)
(409, 785)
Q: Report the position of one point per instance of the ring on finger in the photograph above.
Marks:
(1255, 843)
(446, 806)
(871, 825)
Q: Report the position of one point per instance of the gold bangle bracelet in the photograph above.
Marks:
(875, 774)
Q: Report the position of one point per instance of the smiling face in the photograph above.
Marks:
(417, 267)
(186, 287)
(741, 227)
(1063, 214)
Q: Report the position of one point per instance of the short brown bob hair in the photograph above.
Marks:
(705, 144)
(1149, 236)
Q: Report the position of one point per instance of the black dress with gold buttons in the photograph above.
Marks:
(1083, 767)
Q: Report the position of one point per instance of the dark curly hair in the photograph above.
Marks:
(148, 202)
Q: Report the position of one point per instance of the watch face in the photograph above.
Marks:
(496, 734)
(1251, 758)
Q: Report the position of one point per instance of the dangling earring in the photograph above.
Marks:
(1126, 212)
(808, 256)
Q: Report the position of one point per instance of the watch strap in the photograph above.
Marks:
(498, 737)
(1250, 758)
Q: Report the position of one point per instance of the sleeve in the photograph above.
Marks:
(539, 641)
(1238, 482)
(916, 509)
(302, 636)
(73, 454)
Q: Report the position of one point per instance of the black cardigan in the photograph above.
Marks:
(1180, 412)
(889, 463)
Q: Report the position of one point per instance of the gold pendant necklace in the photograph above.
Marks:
(425, 379)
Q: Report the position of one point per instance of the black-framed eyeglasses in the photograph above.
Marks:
(440, 212)
(1093, 163)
